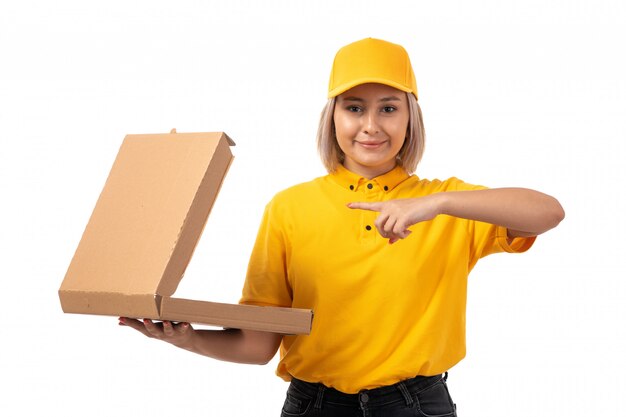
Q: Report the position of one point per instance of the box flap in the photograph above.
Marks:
(269, 319)
(150, 214)
(197, 216)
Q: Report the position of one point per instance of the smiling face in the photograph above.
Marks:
(371, 125)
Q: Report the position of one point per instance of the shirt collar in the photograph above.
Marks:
(386, 182)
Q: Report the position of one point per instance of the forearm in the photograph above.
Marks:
(524, 212)
(233, 345)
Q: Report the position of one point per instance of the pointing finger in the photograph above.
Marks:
(365, 206)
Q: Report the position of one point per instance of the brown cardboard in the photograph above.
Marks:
(144, 229)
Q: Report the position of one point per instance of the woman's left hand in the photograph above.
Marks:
(523, 212)
(396, 216)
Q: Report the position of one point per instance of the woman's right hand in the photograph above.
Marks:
(178, 334)
(233, 345)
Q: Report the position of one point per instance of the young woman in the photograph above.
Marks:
(380, 255)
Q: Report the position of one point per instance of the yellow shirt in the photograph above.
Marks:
(382, 313)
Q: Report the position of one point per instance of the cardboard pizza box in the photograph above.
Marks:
(144, 229)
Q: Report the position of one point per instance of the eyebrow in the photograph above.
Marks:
(384, 99)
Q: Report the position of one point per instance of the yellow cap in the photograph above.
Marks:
(371, 61)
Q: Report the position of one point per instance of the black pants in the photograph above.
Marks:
(422, 396)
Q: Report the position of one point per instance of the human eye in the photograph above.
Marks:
(388, 109)
(354, 109)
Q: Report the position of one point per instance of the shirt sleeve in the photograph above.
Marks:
(266, 280)
(490, 238)
(486, 238)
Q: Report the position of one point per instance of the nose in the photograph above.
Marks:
(370, 123)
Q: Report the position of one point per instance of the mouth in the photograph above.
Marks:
(371, 145)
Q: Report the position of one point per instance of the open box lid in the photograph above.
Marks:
(146, 224)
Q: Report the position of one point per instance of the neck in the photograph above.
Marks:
(368, 172)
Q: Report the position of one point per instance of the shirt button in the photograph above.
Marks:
(352, 187)
(370, 186)
(386, 188)
(368, 227)
(364, 397)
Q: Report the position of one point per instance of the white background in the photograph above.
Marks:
(528, 93)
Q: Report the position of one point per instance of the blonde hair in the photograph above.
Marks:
(409, 156)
